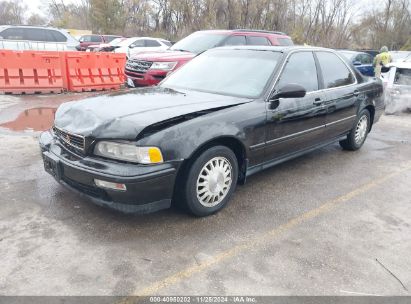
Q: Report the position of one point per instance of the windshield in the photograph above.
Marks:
(243, 73)
(402, 77)
(198, 42)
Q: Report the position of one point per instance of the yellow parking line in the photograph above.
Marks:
(190, 271)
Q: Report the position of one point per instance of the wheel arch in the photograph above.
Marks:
(230, 142)
(371, 110)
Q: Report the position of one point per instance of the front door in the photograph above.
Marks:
(295, 124)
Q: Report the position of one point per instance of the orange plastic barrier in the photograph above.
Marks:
(94, 71)
(29, 72)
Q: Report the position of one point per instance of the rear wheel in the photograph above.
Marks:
(211, 180)
(356, 138)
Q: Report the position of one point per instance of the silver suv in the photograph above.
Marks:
(36, 38)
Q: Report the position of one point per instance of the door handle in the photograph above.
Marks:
(356, 93)
(318, 102)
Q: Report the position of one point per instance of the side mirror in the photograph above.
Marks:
(289, 91)
(131, 46)
(356, 63)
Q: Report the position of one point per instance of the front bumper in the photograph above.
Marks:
(149, 187)
(149, 78)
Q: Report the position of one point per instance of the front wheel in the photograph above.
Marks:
(211, 180)
(356, 138)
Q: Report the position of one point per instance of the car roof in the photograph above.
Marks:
(245, 31)
(32, 26)
(282, 49)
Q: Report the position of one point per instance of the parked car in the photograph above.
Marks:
(225, 115)
(150, 68)
(361, 60)
(35, 38)
(138, 45)
(87, 40)
(105, 47)
(397, 81)
(399, 55)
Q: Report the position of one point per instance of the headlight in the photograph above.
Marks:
(129, 152)
(164, 66)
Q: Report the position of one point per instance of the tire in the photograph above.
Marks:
(357, 136)
(201, 186)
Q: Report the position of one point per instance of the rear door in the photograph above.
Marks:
(340, 92)
(294, 124)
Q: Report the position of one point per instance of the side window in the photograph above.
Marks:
(257, 40)
(139, 43)
(34, 34)
(235, 40)
(57, 36)
(12, 34)
(300, 69)
(96, 38)
(152, 43)
(335, 72)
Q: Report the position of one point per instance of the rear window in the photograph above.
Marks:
(285, 41)
(168, 43)
(402, 76)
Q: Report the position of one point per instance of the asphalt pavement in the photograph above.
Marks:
(329, 223)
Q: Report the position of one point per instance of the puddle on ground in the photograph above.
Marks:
(34, 113)
(37, 119)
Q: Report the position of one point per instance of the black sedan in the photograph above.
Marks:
(225, 115)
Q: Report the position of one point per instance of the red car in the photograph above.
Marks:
(87, 40)
(150, 68)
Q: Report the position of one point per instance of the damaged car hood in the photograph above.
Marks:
(124, 115)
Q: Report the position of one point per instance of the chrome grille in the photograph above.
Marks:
(74, 140)
(138, 66)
